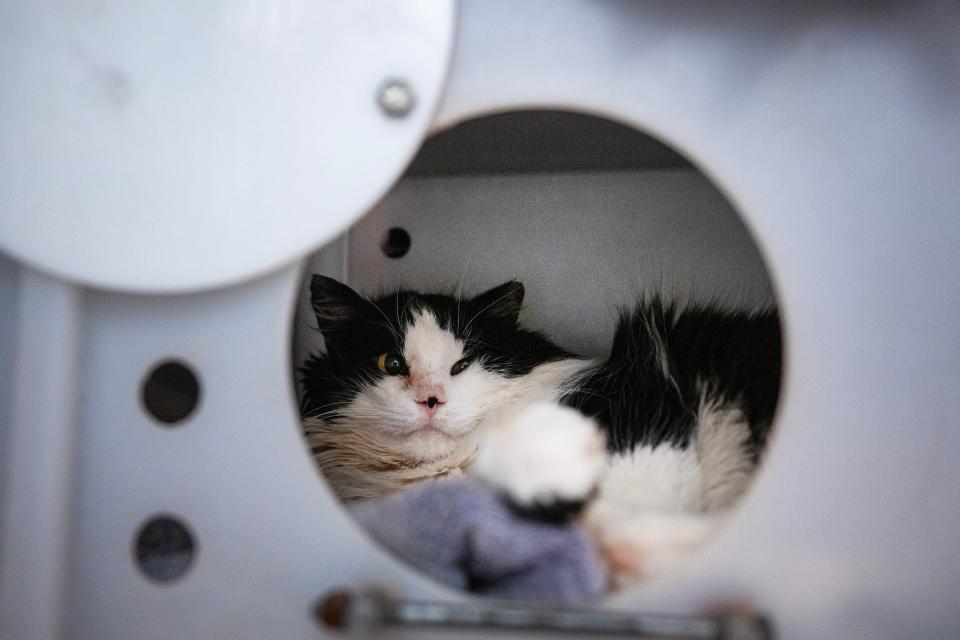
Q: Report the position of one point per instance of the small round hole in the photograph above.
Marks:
(396, 243)
(164, 549)
(171, 392)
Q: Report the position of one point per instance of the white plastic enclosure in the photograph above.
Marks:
(833, 132)
(170, 139)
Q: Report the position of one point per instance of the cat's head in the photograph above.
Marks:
(418, 371)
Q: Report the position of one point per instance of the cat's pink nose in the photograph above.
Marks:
(431, 398)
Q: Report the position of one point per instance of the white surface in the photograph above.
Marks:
(173, 146)
(270, 536)
(38, 457)
(836, 134)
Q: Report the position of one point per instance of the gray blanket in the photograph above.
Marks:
(464, 534)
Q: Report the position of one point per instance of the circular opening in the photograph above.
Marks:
(396, 243)
(171, 392)
(164, 549)
(565, 257)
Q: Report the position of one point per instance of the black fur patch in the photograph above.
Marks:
(557, 511)
(649, 389)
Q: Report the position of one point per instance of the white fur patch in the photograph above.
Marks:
(541, 453)
(660, 478)
(710, 474)
(649, 513)
(647, 544)
(721, 445)
(429, 350)
(658, 504)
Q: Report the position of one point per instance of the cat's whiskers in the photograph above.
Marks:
(459, 294)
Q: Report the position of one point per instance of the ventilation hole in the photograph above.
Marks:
(171, 392)
(164, 549)
(396, 243)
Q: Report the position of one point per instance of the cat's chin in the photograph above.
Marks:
(432, 430)
(429, 443)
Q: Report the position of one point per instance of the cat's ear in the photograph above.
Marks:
(500, 303)
(335, 304)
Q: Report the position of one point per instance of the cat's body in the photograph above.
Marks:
(410, 383)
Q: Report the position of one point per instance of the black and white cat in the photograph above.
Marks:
(411, 384)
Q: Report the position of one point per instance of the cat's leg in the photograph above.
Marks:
(637, 546)
(547, 459)
(652, 509)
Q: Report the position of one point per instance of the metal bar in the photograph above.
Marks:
(352, 611)
(38, 459)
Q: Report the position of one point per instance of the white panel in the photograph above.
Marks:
(171, 146)
(270, 537)
(837, 134)
(582, 244)
(9, 307)
(38, 457)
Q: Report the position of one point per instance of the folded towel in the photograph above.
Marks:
(465, 534)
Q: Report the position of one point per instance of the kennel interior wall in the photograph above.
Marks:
(590, 215)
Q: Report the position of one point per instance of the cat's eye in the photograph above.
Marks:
(391, 364)
(459, 366)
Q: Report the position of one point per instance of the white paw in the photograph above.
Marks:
(542, 454)
(642, 545)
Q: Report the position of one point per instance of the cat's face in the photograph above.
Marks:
(418, 371)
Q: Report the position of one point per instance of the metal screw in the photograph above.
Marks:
(395, 98)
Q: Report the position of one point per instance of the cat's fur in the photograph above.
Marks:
(685, 401)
